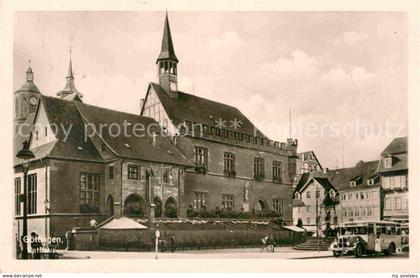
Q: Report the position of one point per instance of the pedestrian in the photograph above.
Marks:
(378, 243)
(267, 243)
(162, 245)
(68, 234)
(272, 243)
(264, 242)
(173, 243)
(36, 246)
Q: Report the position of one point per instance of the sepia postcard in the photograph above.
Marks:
(210, 136)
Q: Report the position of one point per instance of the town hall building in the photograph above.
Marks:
(82, 173)
(237, 167)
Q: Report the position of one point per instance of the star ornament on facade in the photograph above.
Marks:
(235, 124)
(220, 123)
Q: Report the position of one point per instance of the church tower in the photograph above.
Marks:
(70, 92)
(167, 63)
(26, 99)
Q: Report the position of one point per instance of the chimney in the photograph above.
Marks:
(325, 171)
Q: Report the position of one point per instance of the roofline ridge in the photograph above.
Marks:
(185, 93)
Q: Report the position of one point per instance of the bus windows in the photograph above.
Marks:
(383, 229)
(393, 230)
(362, 231)
(370, 229)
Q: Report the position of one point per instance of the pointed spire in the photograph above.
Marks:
(29, 73)
(70, 72)
(167, 49)
(70, 88)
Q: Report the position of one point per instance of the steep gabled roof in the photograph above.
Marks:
(308, 178)
(64, 115)
(397, 146)
(399, 163)
(71, 118)
(340, 178)
(24, 132)
(187, 107)
(131, 146)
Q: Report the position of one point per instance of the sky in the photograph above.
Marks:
(342, 76)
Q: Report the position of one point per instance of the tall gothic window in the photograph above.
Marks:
(258, 168)
(228, 163)
(277, 171)
(201, 157)
(200, 200)
(89, 189)
(278, 205)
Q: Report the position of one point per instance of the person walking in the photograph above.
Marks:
(268, 243)
(36, 246)
(264, 240)
(173, 243)
(378, 243)
(272, 243)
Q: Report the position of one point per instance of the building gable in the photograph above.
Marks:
(153, 108)
(43, 132)
(187, 107)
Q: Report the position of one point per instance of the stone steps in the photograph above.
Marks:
(314, 244)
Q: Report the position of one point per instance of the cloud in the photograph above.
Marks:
(351, 39)
(298, 65)
(338, 74)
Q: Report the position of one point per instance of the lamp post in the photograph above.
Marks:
(317, 217)
(25, 155)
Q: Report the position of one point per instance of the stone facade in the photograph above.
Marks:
(57, 197)
(216, 183)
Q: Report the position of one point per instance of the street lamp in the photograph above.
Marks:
(25, 155)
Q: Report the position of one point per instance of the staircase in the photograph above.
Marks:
(313, 243)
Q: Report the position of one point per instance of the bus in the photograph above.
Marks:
(358, 238)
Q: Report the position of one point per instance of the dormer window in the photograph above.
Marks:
(355, 181)
(371, 181)
(388, 162)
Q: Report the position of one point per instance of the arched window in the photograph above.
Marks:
(261, 205)
(24, 106)
(171, 208)
(158, 206)
(110, 205)
(161, 66)
(134, 206)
